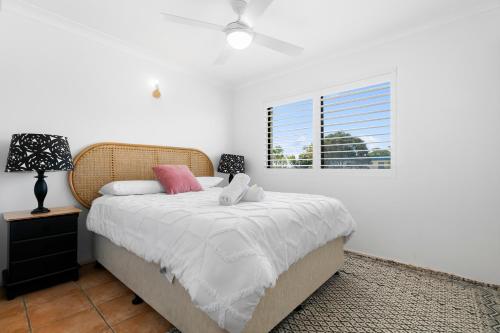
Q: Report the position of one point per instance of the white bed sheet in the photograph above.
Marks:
(224, 256)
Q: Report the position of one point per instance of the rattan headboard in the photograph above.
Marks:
(105, 162)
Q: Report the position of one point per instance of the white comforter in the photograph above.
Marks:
(225, 256)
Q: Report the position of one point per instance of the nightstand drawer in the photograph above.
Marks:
(28, 269)
(43, 227)
(26, 249)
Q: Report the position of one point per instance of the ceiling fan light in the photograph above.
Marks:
(239, 39)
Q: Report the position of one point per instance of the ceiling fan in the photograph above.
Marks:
(240, 33)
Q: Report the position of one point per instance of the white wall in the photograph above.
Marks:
(54, 81)
(441, 207)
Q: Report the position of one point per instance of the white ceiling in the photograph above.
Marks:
(322, 27)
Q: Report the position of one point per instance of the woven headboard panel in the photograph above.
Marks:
(102, 163)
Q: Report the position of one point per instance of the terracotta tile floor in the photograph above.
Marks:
(97, 302)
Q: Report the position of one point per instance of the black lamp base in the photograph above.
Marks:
(40, 210)
(40, 193)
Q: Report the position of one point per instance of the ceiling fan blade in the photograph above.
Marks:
(254, 10)
(226, 53)
(278, 45)
(191, 22)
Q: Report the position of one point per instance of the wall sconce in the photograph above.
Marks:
(156, 93)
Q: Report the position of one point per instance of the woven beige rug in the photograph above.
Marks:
(371, 295)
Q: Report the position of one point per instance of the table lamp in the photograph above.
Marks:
(40, 153)
(231, 164)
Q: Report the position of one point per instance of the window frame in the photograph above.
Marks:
(389, 76)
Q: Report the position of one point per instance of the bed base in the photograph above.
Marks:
(172, 301)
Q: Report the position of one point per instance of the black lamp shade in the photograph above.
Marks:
(231, 164)
(39, 152)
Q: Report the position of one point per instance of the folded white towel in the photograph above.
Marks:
(234, 192)
(254, 193)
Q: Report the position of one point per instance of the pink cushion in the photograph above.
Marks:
(176, 178)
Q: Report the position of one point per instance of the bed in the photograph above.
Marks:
(123, 243)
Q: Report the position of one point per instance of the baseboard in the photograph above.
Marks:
(428, 270)
(87, 261)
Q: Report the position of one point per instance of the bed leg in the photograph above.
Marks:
(337, 273)
(298, 308)
(98, 265)
(137, 300)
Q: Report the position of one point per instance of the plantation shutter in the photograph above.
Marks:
(356, 128)
(289, 135)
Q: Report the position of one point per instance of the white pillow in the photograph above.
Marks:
(208, 182)
(131, 187)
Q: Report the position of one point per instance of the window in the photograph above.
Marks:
(356, 128)
(346, 127)
(290, 135)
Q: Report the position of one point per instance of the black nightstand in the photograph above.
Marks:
(42, 249)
